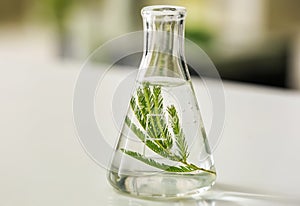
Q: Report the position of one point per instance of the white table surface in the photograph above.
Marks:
(43, 163)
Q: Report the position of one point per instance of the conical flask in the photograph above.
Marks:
(162, 151)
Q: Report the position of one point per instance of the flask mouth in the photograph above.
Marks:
(168, 12)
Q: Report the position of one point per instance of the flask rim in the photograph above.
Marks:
(164, 10)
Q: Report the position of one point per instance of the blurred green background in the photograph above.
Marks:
(254, 41)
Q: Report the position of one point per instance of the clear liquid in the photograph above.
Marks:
(162, 185)
(138, 178)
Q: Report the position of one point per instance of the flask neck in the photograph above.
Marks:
(164, 36)
(164, 42)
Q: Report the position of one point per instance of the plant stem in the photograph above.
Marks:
(199, 168)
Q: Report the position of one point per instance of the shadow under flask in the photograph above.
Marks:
(162, 151)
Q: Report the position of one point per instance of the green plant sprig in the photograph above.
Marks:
(155, 133)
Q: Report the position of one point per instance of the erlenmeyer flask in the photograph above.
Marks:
(162, 151)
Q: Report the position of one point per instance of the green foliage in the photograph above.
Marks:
(158, 165)
(181, 143)
(158, 131)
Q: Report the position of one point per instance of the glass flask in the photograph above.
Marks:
(162, 151)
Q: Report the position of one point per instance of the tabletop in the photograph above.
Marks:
(44, 163)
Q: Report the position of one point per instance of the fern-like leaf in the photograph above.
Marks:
(160, 118)
(156, 164)
(135, 129)
(138, 112)
(180, 141)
